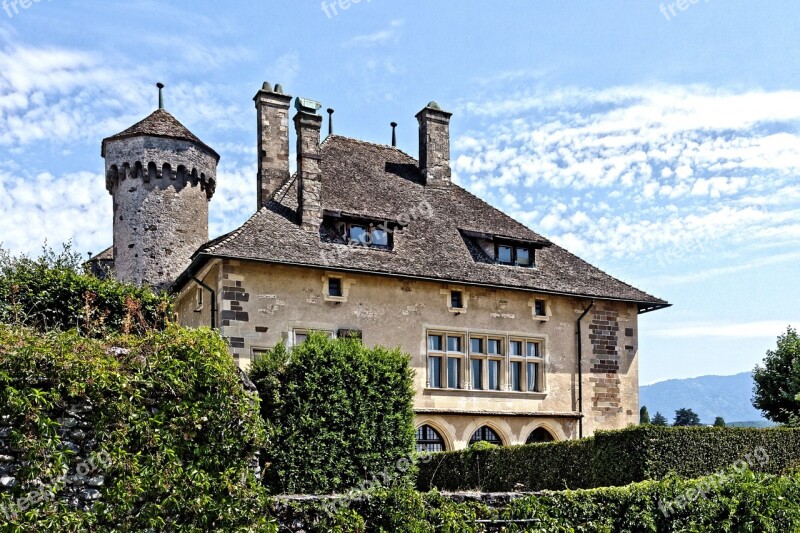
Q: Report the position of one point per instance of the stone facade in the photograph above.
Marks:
(161, 188)
(262, 304)
(434, 144)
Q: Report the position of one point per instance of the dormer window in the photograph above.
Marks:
(508, 254)
(362, 233)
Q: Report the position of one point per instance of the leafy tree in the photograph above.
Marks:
(719, 422)
(338, 415)
(777, 381)
(686, 417)
(644, 416)
(659, 420)
(56, 292)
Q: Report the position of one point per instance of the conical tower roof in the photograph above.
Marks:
(160, 124)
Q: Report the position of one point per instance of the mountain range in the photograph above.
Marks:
(709, 396)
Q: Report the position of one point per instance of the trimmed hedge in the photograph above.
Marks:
(737, 501)
(338, 414)
(168, 412)
(613, 458)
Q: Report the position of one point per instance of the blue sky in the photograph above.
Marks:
(662, 145)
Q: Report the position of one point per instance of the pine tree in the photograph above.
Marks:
(659, 420)
(686, 417)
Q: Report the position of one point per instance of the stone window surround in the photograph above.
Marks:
(448, 301)
(346, 284)
(548, 310)
(465, 367)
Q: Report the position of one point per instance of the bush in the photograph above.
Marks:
(613, 458)
(736, 501)
(54, 291)
(179, 431)
(337, 414)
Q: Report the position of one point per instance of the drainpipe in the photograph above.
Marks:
(580, 369)
(213, 301)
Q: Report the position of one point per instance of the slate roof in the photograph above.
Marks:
(380, 183)
(160, 123)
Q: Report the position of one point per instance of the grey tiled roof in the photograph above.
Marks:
(381, 183)
(160, 124)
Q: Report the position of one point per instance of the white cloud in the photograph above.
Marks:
(746, 330)
(377, 38)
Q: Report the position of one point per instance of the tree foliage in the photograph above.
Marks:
(686, 417)
(644, 416)
(56, 292)
(777, 381)
(659, 420)
(719, 422)
(337, 414)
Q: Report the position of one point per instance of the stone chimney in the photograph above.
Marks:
(309, 176)
(434, 144)
(273, 140)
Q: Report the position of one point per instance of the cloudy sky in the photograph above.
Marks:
(661, 145)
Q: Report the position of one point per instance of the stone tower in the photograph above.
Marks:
(161, 177)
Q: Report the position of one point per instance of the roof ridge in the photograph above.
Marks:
(369, 143)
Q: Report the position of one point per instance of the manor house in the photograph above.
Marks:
(513, 338)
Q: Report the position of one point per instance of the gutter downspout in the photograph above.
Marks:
(213, 301)
(580, 368)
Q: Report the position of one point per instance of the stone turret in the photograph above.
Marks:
(161, 177)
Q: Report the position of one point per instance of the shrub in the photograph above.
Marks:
(613, 458)
(54, 291)
(337, 414)
(168, 411)
(736, 501)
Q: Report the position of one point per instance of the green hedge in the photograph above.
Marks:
(338, 414)
(168, 412)
(55, 291)
(613, 458)
(734, 502)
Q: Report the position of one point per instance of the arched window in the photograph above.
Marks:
(429, 440)
(540, 435)
(486, 434)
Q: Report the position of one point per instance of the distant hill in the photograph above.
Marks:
(708, 396)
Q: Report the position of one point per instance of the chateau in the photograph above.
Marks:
(513, 339)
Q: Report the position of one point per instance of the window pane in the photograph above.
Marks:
(359, 235)
(523, 257)
(515, 348)
(435, 343)
(541, 308)
(516, 368)
(494, 347)
(435, 372)
(456, 299)
(504, 254)
(429, 440)
(380, 237)
(533, 377)
(494, 375)
(533, 349)
(453, 366)
(476, 345)
(477, 374)
(300, 338)
(334, 287)
(454, 344)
